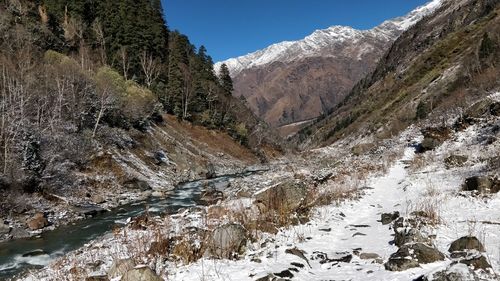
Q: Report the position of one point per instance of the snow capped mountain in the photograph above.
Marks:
(330, 42)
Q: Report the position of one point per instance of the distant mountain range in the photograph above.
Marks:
(294, 81)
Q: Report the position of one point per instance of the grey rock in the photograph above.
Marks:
(476, 261)
(466, 243)
(412, 255)
(4, 229)
(433, 138)
(369, 256)
(387, 218)
(141, 274)
(405, 235)
(299, 253)
(284, 274)
(97, 199)
(286, 196)
(495, 109)
(455, 272)
(120, 267)
(482, 184)
(19, 233)
(228, 240)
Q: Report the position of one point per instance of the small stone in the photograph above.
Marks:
(369, 256)
(285, 274)
(387, 218)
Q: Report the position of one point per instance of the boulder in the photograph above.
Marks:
(404, 235)
(387, 218)
(455, 272)
(97, 199)
(284, 197)
(476, 261)
(433, 137)
(479, 109)
(482, 184)
(19, 233)
(137, 184)
(120, 267)
(38, 221)
(228, 240)
(412, 255)
(495, 109)
(455, 161)
(466, 243)
(160, 157)
(4, 229)
(141, 274)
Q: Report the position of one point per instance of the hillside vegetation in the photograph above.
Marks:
(74, 72)
(434, 70)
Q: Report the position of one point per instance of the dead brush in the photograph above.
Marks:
(189, 248)
(417, 163)
(429, 208)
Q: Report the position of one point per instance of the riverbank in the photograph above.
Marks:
(344, 231)
(137, 166)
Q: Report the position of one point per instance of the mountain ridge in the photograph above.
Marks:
(300, 80)
(321, 37)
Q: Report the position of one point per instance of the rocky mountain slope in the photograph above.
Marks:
(434, 70)
(294, 81)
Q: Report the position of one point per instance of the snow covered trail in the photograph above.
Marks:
(334, 231)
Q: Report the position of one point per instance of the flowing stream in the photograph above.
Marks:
(19, 255)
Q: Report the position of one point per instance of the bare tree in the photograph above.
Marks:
(73, 31)
(105, 99)
(99, 33)
(150, 68)
(123, 55)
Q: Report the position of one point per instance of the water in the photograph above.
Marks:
(53, 244)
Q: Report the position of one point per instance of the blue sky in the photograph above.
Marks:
(230, 28)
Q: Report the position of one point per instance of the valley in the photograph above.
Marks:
(127, 154)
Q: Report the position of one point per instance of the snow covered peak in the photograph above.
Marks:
(333, 41)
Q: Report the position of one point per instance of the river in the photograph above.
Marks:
(19, 255)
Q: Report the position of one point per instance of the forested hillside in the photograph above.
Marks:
(75, 73)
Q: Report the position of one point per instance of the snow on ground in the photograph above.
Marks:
(333, 230)
(337, 231)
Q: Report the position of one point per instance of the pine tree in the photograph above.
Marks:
(225, 80)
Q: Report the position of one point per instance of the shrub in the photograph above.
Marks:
(131, 104)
